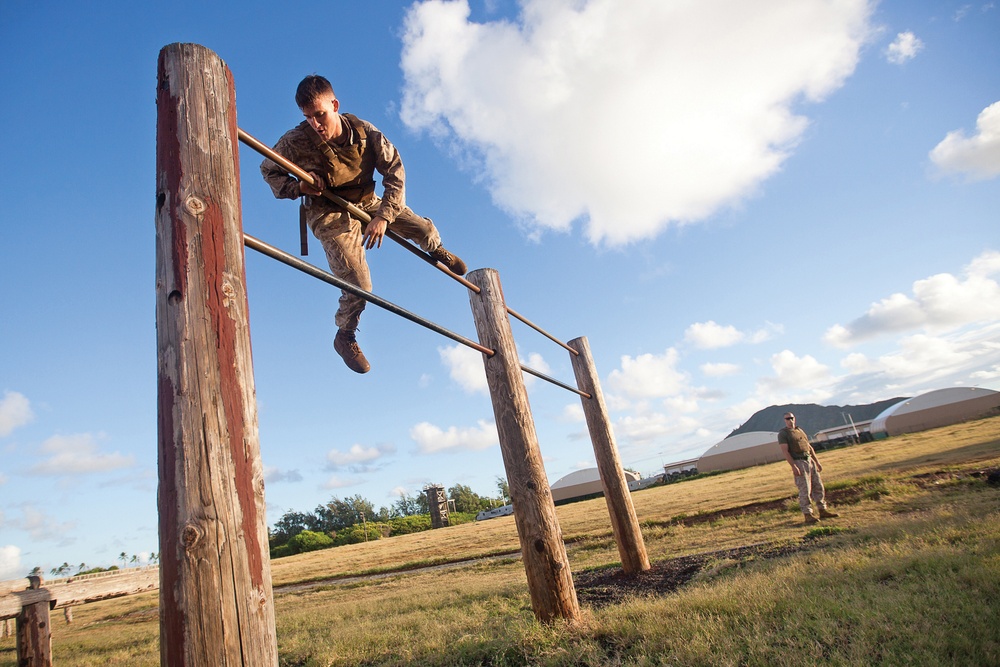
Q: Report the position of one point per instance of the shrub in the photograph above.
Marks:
(308, 540)
(404, 525)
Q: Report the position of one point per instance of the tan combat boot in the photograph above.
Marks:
(824, 513)
(811, 519)
(347, 347)
(453, 262)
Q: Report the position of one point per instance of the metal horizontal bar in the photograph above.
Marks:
(360, 214)
(554, 381)
(305, 267)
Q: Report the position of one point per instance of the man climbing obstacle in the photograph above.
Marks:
(342, 152)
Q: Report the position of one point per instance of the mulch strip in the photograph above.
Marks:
(607, 586)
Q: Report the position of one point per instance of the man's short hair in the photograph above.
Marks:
(310, 88)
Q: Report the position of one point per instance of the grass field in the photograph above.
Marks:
(908, 575)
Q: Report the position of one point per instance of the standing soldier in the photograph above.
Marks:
(806, 469)
(342, 152)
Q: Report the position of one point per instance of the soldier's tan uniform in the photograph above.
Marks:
(351, 175)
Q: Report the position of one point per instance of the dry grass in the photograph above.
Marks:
(909, 575)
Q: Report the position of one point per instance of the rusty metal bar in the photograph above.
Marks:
(305, 267)
(353, 209)
(303, 175)
(554, 381)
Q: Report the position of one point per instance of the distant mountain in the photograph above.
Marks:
(812, 418)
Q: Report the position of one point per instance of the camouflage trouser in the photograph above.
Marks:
(810, 486)
(342, 235)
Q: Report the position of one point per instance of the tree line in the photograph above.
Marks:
(354, 519)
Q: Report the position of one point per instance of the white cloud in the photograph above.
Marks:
(15, 411)
(41, 527)
(573, 412)
(465, 366)
(720, 369)
(649, 376)
(939, 303)
(338, 482)
(796, 379)
(541, 108)
(273, 475)
(905, 47)
(356, 454)
(710, 336)
(10, 562)
(431, 439)
(77, 455)
(977, 156)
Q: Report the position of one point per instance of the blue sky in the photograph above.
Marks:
(738, 204)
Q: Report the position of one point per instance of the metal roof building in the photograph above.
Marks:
(941, 407)
(742, 451)
(582, 484)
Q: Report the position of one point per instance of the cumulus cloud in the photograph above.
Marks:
(795, 379)
(432, 439)
(15, 411)
(710, 336)
(358, 458)
(978, 156)
(273, 475)
(938, 303)
(465, 366)
(707, 112)
(720, 369)
(338, 482)
(10, 562)
(649, 376)
(40, 526)
(77, 455)
(905, 47)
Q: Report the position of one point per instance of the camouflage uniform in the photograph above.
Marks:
(350, 175)
(809, 482)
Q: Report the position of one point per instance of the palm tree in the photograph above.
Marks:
(123, 557)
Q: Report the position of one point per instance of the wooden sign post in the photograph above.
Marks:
(216, 603)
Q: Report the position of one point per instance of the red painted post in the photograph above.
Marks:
(216, 603)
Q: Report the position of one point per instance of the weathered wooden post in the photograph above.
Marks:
(624, 523)
(34, 632)
(216, 604)
(550, 581)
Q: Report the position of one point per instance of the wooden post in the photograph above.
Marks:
(216, 603)
(34, 633)
(624, 523)
(550, 581)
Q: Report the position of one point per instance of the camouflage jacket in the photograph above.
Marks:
(351, 175)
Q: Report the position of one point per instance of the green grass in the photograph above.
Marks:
(908, 575)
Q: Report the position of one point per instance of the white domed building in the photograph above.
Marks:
(742, 451)
(932, 409)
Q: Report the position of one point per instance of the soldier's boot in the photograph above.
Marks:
(824, 513)
(347, 347)
(453, 262)
(811, 519)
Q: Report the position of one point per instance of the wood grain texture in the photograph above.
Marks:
(624, 522)
(550, 581)
(215, 586)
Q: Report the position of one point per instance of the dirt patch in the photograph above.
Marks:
(607, 586)
(939, 477)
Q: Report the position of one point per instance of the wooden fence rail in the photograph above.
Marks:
(29, 602)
